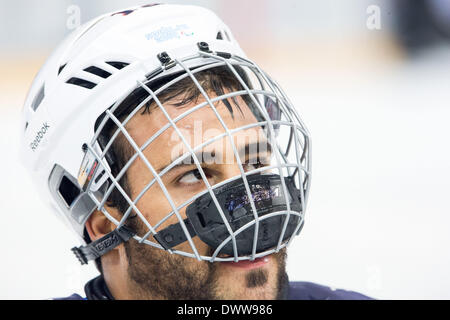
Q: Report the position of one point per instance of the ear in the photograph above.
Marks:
(98, 225)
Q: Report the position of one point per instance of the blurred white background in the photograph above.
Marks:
(376, 101)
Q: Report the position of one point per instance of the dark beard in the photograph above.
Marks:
(156, 274)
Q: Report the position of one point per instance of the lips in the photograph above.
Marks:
(246, 264)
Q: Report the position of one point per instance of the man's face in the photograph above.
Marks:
(154, 273)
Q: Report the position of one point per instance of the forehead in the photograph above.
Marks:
(196, 127)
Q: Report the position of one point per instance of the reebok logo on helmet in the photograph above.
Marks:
(39, 136)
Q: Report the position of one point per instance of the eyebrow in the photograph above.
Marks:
(253, 147)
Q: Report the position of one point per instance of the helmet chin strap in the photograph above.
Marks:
(101, 246)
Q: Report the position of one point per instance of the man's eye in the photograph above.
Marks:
(191, 177)
(253, 164)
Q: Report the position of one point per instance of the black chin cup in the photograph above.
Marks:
(205, 221)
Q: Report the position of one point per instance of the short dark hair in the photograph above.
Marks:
(217, 80)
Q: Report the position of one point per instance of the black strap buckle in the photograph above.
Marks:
(173, 235)
(103, 245)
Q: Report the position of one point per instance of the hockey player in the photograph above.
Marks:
(182, 166)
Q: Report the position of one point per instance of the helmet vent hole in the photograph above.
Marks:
(38, 99)
(98, 72)
(68, 190)
(219, 36)
(117, 64)
(81, 82)
(226, 35)
(61, 68)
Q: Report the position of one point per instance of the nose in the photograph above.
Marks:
(230, 170)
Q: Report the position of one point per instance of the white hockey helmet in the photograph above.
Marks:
(95, 69)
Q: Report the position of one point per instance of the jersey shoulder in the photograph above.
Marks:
(298, 290)
(303, 290)
(74, 296)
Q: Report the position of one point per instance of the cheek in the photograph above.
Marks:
(152, 202)
(154, 205)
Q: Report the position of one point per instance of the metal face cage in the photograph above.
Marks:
(277, 118)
